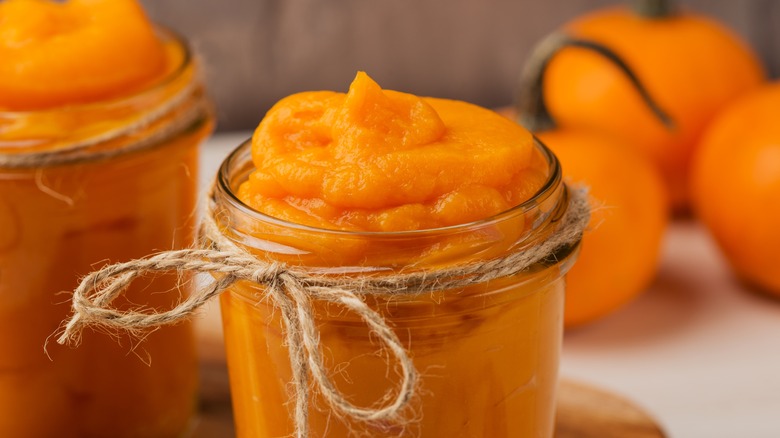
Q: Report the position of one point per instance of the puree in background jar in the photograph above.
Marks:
(101, 115)
(380, 182)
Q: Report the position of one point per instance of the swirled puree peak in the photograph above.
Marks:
(75, 51)
(381, 160)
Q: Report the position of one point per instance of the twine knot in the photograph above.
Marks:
(266, 273)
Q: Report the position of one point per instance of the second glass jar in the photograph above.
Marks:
(80, 186)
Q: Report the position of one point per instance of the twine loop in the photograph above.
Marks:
(292, 290)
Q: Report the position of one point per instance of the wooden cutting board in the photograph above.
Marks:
(588, 412)
(583, 411)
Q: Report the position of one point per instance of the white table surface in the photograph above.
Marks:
(698, 350)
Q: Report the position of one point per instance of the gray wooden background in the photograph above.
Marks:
(257, 51)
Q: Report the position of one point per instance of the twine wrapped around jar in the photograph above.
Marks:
(186, 108)
(292, 289)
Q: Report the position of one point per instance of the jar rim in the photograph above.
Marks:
(234, 160)
(167, 34)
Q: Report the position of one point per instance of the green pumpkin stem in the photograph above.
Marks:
(532, 110)
(654, 9)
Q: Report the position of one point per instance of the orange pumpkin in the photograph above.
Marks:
(620, 252)
(736, 185)
(691, 65)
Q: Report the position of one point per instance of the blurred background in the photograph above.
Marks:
(258, 51)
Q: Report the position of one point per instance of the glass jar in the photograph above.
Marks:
(81, 186)
(488, 353)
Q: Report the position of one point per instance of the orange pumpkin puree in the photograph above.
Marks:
(377, 160)
(78, 51)
(63, 67)
(381, 160)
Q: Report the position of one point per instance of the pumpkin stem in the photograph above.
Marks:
(532, 111)
(654, 9)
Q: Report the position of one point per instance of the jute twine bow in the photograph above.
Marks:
(292, 290)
